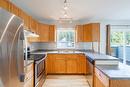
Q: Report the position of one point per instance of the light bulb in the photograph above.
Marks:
(65, 15)
(65, 7)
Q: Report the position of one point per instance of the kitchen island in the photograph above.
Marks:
(112, 76)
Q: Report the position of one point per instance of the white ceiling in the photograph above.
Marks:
(79, 9)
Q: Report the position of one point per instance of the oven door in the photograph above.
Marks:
(39, 70)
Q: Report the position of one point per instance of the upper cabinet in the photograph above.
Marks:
(5, 4)
(26, 19)
(46, 33)
(33, 25)
(88, 32)
(79, 33)
(13, 9)
(52, 31)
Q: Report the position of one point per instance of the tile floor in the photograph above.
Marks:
(67, 81)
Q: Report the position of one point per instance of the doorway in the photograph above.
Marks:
(120, 43)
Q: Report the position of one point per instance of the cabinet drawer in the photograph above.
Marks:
(104, 79)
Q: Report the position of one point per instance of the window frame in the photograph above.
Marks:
(65, 29)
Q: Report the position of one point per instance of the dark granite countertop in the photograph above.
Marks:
(115, 71)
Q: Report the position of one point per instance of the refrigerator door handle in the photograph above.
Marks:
(21, 77)
(20, 57)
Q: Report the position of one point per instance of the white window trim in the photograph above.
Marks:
(66, 47)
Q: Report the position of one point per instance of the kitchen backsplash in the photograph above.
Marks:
(52, 46)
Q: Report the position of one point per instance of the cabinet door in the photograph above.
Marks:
(33, 25)
(37, 31)
(44, 33)
(96, 31)
(52, 33)
(14, 9)
(87, 33)
(50, 63)
(82, 64)
(79, 33)
(60, 66)
(72, 66)
(97, 82)
(56, 64)
(5, 4)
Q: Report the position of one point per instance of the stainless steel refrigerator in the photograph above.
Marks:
(11, 50)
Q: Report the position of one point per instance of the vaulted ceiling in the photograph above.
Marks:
(78, 9)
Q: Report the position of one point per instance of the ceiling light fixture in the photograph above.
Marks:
(65, 5)
(65, 17)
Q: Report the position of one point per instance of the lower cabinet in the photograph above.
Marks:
(59, 66)
(29, 76)
(66, 64)
(72, 65)
(101, 80)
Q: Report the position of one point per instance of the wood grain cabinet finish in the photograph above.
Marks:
(66, 64)
(52, 31)
(79, 33)
(46, 32)
(71, 64)
(5, 4)
(101, 80)
(55, 64)
(88, 32)
(83, 66)
(14, 9)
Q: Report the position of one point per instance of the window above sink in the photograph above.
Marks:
(66, 38)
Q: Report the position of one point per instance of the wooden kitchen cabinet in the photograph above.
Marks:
(46, 33)
(59, 66)
(14, 9)
(101, 80)
(26, 19)
(72, 66)
(52, 31)
(33, 25)
(55, 64)
(91, 32)
(88, 32)
(5, 4)
(79, 33)
(95, 32)
(83, 66)
(98, 83)
(65, 64)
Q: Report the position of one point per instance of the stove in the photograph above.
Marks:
(37, 57)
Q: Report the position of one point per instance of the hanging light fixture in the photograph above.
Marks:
(65, 5)
(65, 18)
